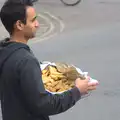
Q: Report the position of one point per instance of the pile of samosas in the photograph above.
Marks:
(60, 78)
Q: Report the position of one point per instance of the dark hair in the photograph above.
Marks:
(12, 11)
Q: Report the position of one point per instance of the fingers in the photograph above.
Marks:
(86, 85)
(93, 87)
(92, 83)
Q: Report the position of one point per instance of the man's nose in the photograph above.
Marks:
(37, 24)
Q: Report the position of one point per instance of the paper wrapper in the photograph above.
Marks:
(44, 64)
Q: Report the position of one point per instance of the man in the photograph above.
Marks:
(22, 92)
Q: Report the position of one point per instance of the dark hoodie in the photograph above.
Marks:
(22, 92)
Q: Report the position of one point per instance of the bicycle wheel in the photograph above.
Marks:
(70, 2)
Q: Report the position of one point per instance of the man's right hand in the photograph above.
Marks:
(84, 86)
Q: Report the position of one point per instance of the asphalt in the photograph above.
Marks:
(90, 40)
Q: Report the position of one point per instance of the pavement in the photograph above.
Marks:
(86, 35)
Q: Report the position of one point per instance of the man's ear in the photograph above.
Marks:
(19, 25)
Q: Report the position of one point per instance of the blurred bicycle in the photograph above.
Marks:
(70, 2)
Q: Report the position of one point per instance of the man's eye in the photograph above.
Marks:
(34, 18)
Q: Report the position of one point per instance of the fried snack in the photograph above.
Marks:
(60, 78)
(46, 71)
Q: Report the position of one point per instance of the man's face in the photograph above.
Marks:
(32, 24)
